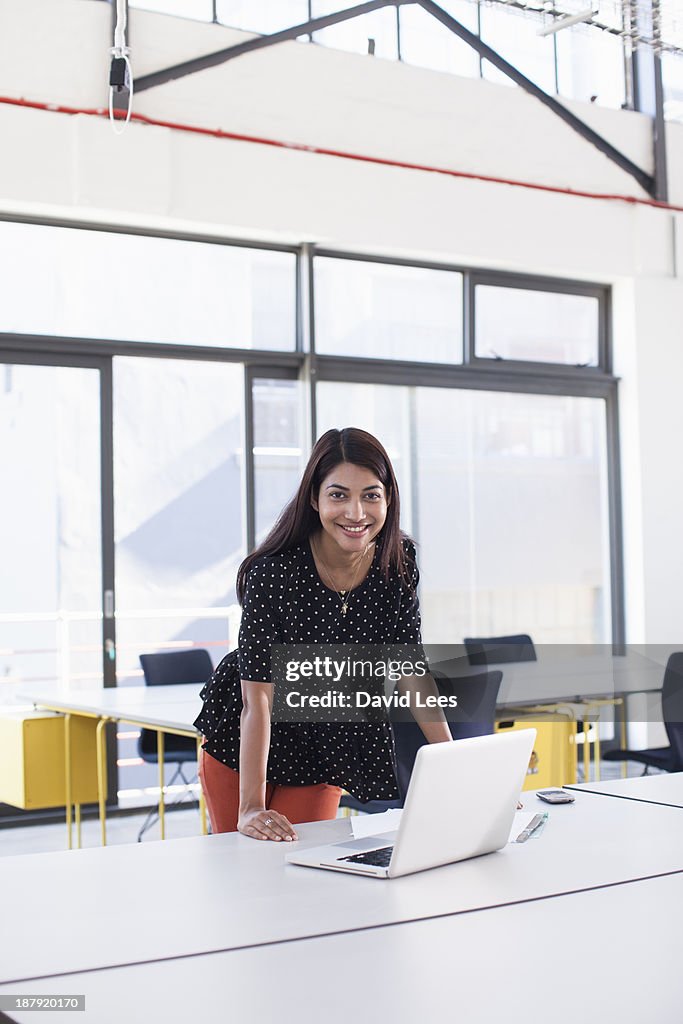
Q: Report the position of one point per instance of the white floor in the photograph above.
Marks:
(120, 830)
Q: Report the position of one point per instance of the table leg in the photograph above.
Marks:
(67, 778)
(160, 756)
(586, 752)
(596, 749)
(202, 801)
(622, 732)
(102, 778)
(77, 809)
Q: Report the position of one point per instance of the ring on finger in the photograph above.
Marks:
(268, 821)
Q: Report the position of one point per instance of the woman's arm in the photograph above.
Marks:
(254, 745)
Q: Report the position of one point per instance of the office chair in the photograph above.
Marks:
(170, 668)
(668, 759)
(475, 715)
(497, 650)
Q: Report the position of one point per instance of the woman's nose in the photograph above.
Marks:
(354, 510)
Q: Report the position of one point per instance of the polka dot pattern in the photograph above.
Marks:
(287, 602)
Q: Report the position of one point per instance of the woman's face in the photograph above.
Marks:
(352, 504)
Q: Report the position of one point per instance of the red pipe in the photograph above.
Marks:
(218, 133)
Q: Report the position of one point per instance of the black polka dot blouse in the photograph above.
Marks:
(286, 602)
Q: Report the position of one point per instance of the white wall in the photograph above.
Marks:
(75, 167)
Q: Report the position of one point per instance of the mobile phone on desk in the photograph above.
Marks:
(555, 796)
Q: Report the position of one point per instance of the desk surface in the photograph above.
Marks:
(653, 789)
(173, 706)
(228, 891)
(482, 968)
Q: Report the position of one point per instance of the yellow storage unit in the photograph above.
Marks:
(553, 762)
(32, 768)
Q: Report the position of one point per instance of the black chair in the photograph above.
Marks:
(171, 668)
(668, 759)
(497, 650)
(475, 715)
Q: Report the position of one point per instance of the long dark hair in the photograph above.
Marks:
(298, 520)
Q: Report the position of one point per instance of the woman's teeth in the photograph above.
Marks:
(354, 529)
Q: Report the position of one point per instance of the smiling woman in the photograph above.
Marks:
(336, 568)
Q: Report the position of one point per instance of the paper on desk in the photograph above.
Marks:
(521, 821)
(375, 824)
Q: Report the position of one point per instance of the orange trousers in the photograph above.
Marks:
(221, 786)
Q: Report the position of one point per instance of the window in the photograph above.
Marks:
(590, 65)
(429, 44)
(50, 529)
(386, 311)
(506, 495)
(355, 34)
(262, 15)
(279, 456)
(100, 284)
(541, 326)
(514, 36)
(672, 76)
(198, 10)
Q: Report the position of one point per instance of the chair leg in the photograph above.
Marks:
(645, 770)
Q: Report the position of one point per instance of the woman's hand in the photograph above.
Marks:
(263, 824)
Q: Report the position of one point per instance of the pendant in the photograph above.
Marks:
(345, 608)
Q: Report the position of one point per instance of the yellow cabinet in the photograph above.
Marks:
(553, 762)
(32, 768)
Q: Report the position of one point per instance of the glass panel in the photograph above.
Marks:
(487, 500)
(178, 292)
(383, 410)
(672, 75)
(385, 311)
(514, 474)
(590, 66)
(427, 43)
(262, 15)
(50, 539)
(278, 453)
(547, 327)
(514, 35)
(179, 495)
(198, 10)
(354, 35)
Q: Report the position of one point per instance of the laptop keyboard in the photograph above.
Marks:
(377, 858)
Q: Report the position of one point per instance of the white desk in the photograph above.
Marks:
(651, 789)
(488, 967)
(564, 673)
(228, 891)
(167, 709)
(144, 703)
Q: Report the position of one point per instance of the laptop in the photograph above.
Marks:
(460, 803)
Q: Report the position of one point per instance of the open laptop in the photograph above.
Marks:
(460, 803)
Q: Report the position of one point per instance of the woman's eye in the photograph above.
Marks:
(373, 497)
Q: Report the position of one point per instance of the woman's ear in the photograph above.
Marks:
(314, 503)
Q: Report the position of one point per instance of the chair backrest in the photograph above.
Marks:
(170, 667)
(672, 708)
(477, 694)
(497, 650)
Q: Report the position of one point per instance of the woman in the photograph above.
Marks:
(335, 568)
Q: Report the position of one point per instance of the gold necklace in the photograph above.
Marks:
(343, 595)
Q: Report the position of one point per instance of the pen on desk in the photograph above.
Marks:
(536, 822)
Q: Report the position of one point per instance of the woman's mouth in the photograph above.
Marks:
(354, 531)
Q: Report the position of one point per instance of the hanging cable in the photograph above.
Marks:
(120, 72)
